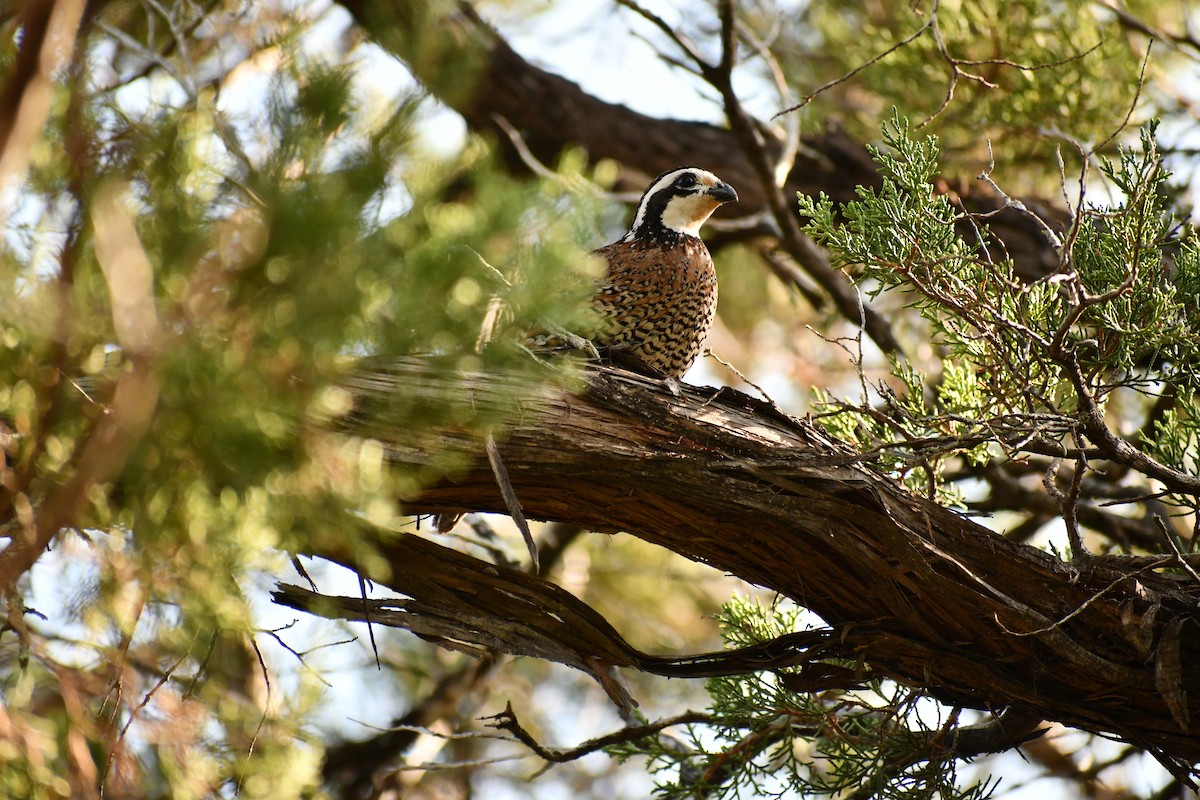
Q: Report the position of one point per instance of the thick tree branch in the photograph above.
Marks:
(920, 594)
(467, 604)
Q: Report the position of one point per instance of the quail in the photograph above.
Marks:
(659, 294)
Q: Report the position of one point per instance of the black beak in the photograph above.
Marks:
(723, 192)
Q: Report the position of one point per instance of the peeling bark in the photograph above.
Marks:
(914, 591)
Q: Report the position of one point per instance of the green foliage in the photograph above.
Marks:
(768, 739)
(995, 70)
(1120, 314)
(279, 249)
(1136, 253)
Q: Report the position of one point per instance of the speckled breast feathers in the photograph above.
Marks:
(659, 296)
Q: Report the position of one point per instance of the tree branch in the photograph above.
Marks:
(467, 604)
(48, 32)
(102, 456)
(919, 593)
(468, 66)
(506, 720)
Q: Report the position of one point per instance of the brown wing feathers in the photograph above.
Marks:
(659, 295)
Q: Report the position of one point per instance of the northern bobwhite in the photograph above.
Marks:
(659, 294)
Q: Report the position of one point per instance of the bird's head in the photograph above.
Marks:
(677, 203)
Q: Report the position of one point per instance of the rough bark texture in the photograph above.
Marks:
(916, 592)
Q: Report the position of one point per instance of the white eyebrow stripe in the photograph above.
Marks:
(704, 177)
(664, 181)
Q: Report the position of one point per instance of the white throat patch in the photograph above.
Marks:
(682, 214)
(686, 214)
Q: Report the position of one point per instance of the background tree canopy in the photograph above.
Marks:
(265, 268)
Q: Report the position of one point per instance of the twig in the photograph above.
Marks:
(424, 730)
(541, 170)
(986, 177)
(1083, 606)
(274, 634)
(808, 98)
(262, 720)
(1183, 562)
(510, 499)
(1129, 21)
(708, 352)
(1137, 95)
(791, 137)
(1066, 646)
(682, 42)
(133, 716)
(799, 246)
(362, 591)
(506, 720)
(956, 65)
(1068, 505)
(438, 766)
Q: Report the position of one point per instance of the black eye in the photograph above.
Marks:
(686, 181)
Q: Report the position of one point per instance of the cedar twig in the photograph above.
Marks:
(507, 721)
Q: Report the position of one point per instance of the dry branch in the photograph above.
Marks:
(914, 591)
